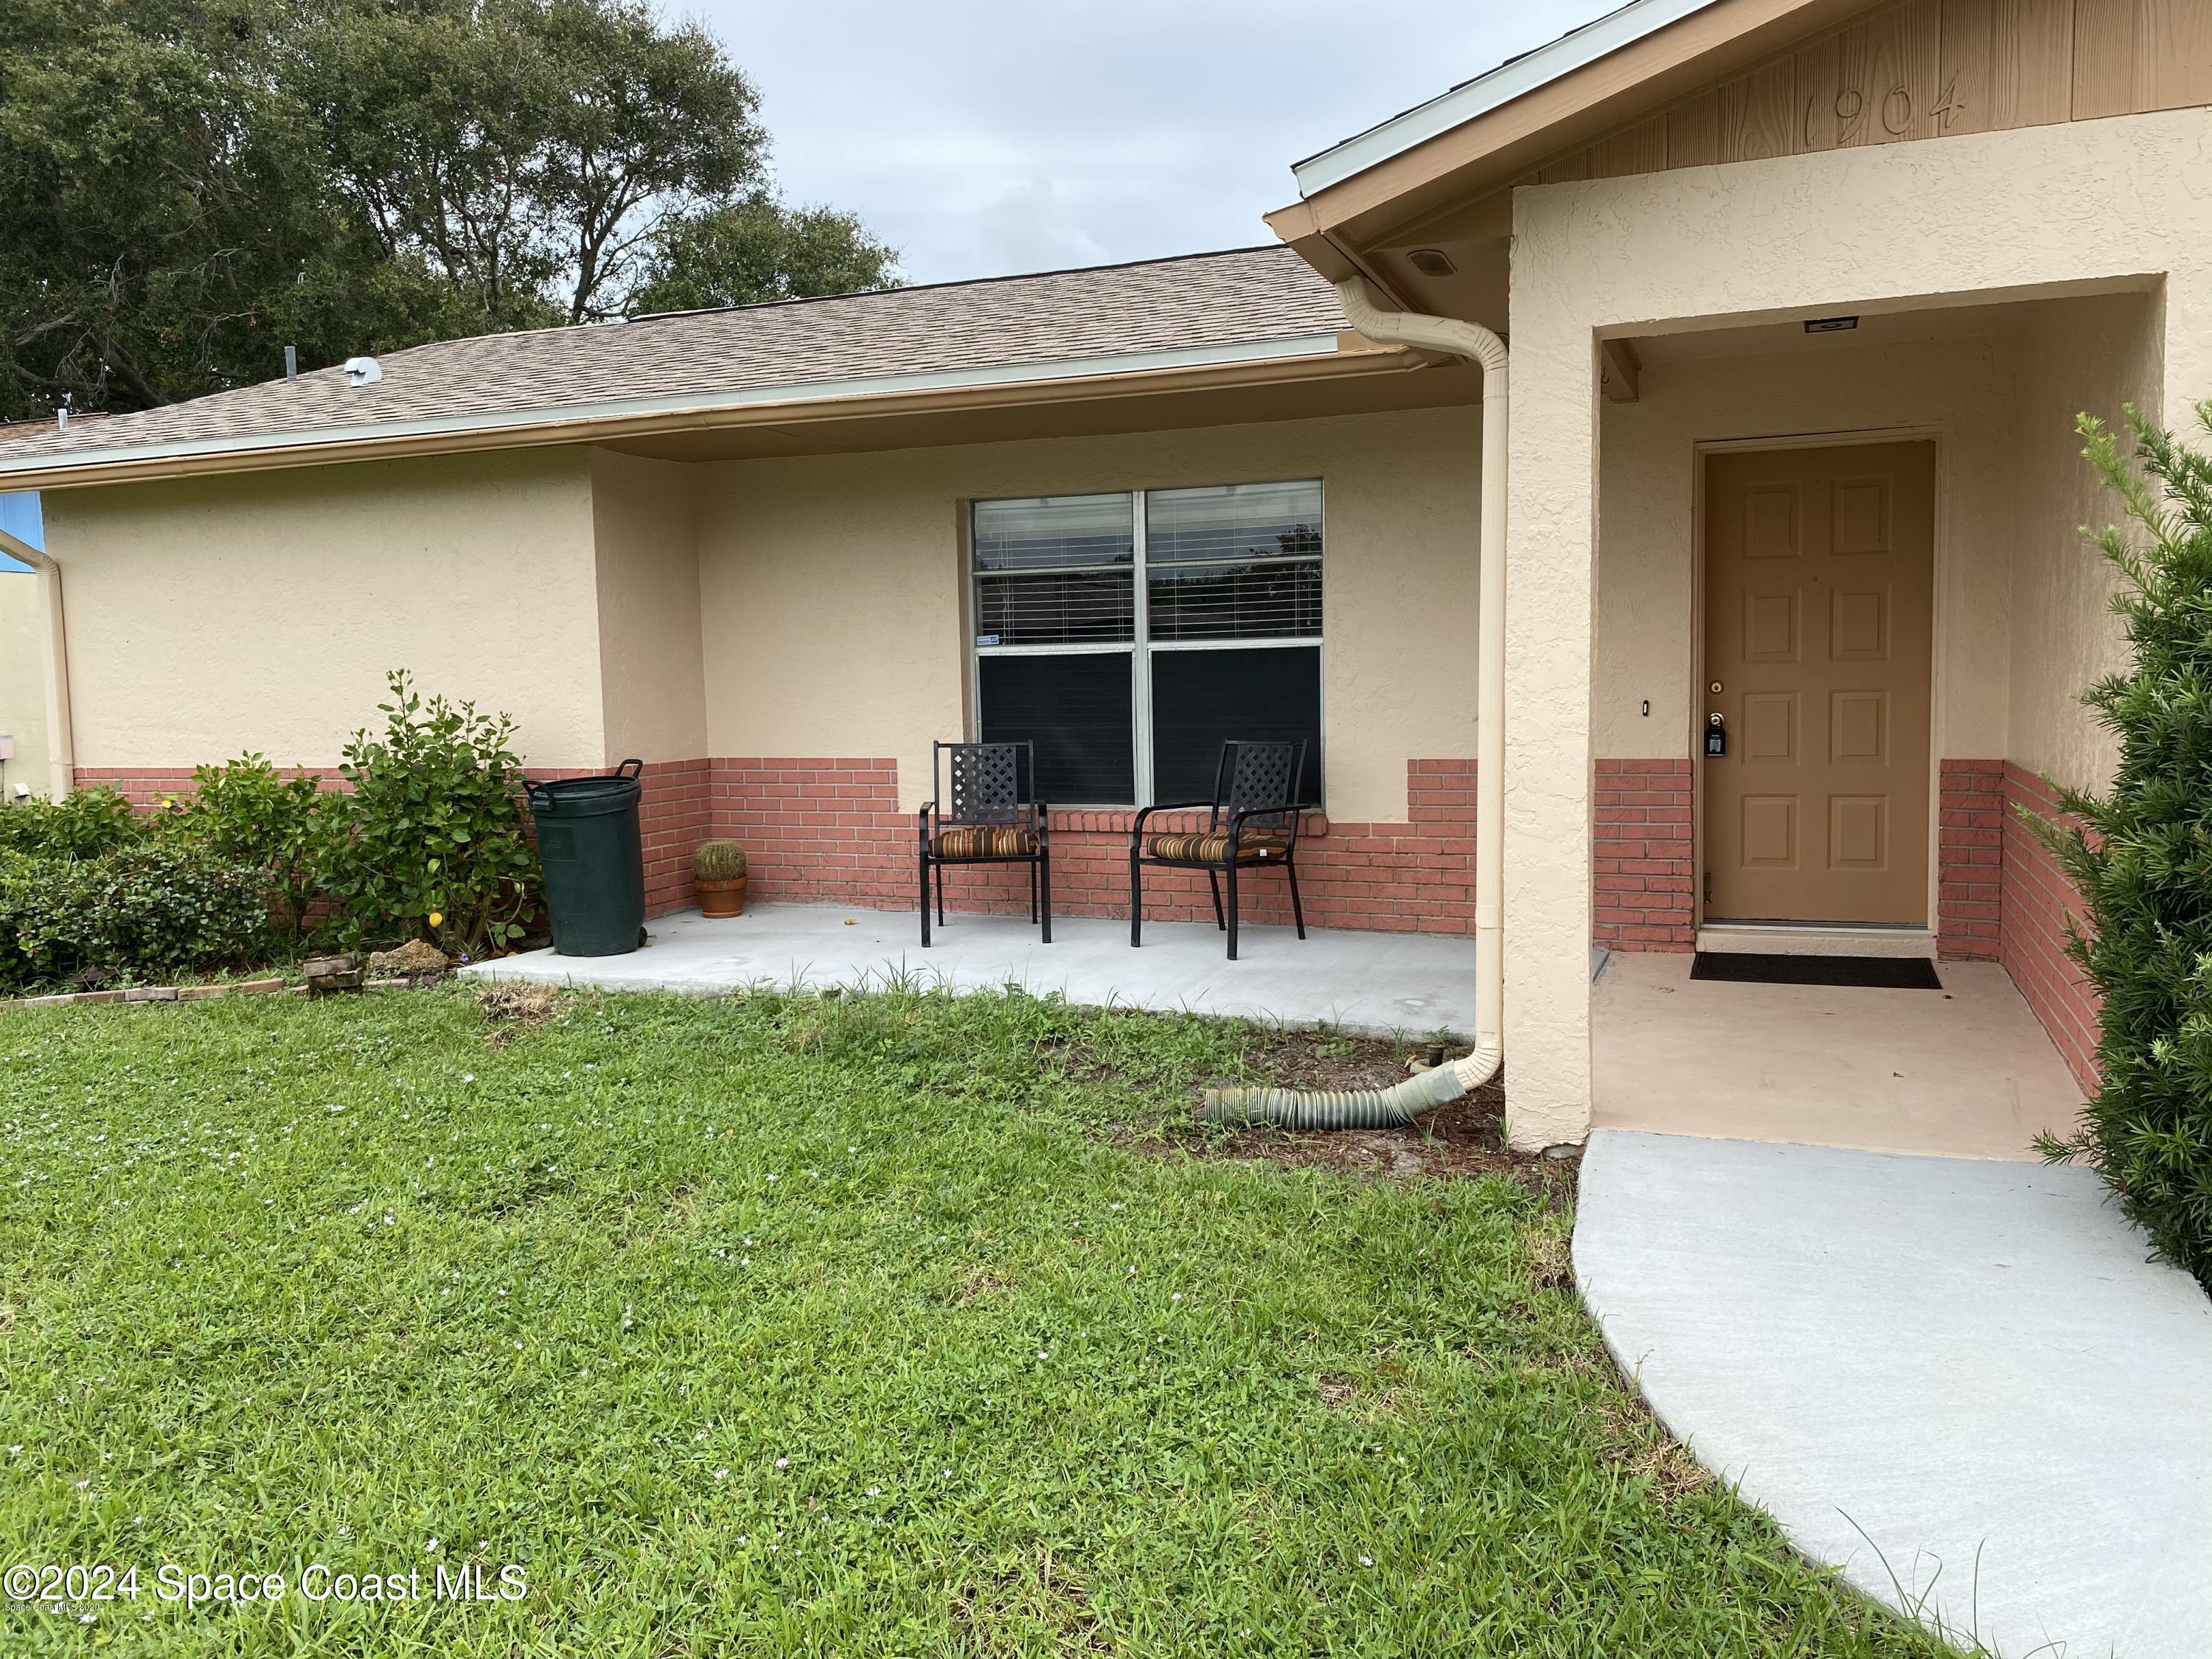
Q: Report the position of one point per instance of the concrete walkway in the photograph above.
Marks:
(1958, 1380)
(1374, 984)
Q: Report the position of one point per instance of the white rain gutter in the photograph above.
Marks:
(50, 468)
(61, 743)
(1426, 1091)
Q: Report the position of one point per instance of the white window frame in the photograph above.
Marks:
(1138, 649)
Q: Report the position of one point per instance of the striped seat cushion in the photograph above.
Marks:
(1211, 846)
(983, 841)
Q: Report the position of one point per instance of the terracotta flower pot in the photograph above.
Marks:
(720, 898)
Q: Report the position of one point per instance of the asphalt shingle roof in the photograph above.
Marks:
(1203, 299)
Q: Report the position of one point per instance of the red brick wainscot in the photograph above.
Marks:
(144, 786)
(1970, 856)
(2037, 903)
(830, 831)
(2000, 897)
(1644, 864)
(675, 814)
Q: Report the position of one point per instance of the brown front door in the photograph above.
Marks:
(1819, 567)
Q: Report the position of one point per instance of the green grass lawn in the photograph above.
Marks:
(860, 1326)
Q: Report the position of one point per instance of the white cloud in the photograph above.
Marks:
(984, 136)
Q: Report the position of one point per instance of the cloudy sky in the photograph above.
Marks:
(984, 136)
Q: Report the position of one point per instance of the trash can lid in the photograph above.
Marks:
(603, 792)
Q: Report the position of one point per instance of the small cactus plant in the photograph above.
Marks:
(718, 860)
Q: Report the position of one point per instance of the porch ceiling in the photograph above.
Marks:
(1888, 323)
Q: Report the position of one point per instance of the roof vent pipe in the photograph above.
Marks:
(291, 362)
(1392, 1108)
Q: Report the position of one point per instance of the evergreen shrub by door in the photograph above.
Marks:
(2140, 853)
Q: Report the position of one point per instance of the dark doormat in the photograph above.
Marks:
(1760, 967)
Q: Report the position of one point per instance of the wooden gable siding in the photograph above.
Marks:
(1925, 69)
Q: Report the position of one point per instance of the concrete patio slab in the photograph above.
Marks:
(1959, 1381)
(1965, 1071)
(1377, 984)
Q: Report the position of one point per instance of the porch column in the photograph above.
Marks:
(2186, 371)
(1551, 545)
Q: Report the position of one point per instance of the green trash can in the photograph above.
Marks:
(595, 860)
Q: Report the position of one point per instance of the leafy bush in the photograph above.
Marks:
(437, 844)
(252, 814)
(150, 906)
(81, 825)
(2141, 853)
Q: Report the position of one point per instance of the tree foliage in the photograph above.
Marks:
(186, 190)
(2140, 853)
(756, 250)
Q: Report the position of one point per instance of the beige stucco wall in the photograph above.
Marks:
(622, 606)
(261, 611)
(23, 680)
(2007, 216)
(832, 585)
(645, 534)
(2091, 355)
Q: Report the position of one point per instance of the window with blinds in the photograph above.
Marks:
(1129, 636)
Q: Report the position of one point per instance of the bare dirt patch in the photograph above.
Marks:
(1366, 1402)
(981, 1282)
(514, 1005)
(999, 1608)
(1337, 1392)
(1638, 1445)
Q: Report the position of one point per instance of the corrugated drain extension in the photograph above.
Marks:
(1394, 1107)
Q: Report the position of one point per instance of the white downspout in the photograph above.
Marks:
(1381, 1108)
(61, 746)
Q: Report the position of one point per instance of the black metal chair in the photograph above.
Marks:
(984, 820)
(1253, 825)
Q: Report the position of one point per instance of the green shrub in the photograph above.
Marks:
(156, 906)
(436, 844)
(2141, 853)
(16, 869)
(81, 825)
(252, 814)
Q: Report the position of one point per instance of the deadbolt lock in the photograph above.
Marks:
(1717, 688)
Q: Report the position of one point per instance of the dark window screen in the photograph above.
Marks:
(1076, 710)
(1201, 699)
